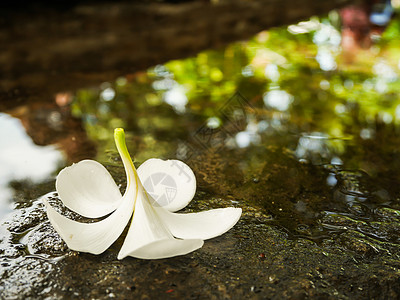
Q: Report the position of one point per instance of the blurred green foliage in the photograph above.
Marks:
(308, 101)
(324, 91)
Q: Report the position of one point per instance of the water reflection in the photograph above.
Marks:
(21, 159)
(285, 120)
(326, 60)
(176, 97)
(278, 99)
(313, 147)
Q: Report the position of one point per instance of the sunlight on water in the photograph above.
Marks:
(21, 159)
(303, 111)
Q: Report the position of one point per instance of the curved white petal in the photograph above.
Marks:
(89, 176)
(171, 183)
(96, 237)
(148, 238)
(202, 225)
(88, 189)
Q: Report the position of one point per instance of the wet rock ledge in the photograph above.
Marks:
(254, 260)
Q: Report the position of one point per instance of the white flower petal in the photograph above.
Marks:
(148, 238)
(88, 189)
(202, 225)
(96, 237)
(171, 183)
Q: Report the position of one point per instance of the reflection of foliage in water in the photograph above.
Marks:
(304, 79)
(316, 102)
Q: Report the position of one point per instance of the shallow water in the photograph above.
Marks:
(292, 104)
(288, 124)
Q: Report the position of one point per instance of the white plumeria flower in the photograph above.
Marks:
(155, 231)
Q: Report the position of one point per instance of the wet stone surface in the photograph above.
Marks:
(256, 259)
(310, 153)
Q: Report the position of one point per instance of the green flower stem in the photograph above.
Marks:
(119, 137)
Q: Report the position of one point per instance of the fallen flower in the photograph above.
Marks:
(156, 231)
